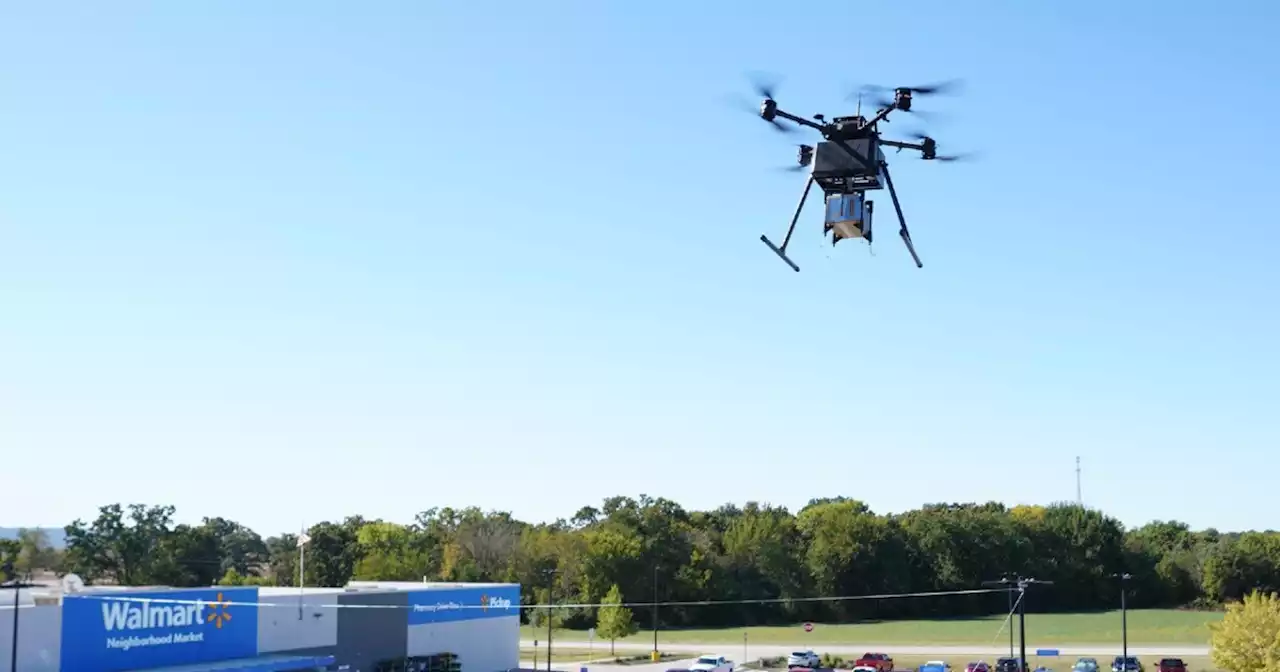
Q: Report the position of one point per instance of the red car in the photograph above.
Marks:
(977, 667)
(1171, 665)
(882, 662)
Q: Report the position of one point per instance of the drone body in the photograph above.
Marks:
(847, 164)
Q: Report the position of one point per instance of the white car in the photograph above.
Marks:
(803, 659)
(710, 663)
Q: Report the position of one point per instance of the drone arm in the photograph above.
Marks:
(881, 115)
(797, 120)
(902, 221)
(902, 145)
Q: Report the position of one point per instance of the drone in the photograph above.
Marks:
(848, 163)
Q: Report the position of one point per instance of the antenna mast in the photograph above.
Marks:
(1079, 499)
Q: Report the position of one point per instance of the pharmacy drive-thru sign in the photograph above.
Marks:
(137, 630)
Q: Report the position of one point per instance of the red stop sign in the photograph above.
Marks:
(808, 627)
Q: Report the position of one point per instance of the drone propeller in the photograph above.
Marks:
(763, 85)
(968, 156)
(931, 149)
(949, 86)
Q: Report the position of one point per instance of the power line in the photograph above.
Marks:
(453, 606)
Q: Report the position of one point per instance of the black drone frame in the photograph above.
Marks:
(839, 134)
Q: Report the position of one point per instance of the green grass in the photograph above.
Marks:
(559, 655)
(1146, 627)
(574, 655)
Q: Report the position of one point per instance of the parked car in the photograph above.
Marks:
(803, 659)
(1009, 665)
(978, 666)
(935, 666)
(1085, 665)
(881, 662)
(1171, 665)
(710, 663)
(1130, 664)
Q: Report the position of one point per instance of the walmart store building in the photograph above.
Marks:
(365, 627)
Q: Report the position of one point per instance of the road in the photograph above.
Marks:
(735, 652)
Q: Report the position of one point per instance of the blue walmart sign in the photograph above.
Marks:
(158, 628)
(446, 605)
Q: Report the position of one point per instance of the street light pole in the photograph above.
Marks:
(16, 585)
(1124, 617)
(551, 575)
(655, 614)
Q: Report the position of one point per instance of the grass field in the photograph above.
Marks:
(559, 655)
(1147, 627)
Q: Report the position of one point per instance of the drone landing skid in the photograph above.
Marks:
(781, 250)
(782, 254)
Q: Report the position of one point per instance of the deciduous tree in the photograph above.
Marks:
(1248, 638)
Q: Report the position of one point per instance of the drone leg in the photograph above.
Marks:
(781, 251)
(902, 221)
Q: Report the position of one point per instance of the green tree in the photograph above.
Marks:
(390, 552)
(614, 621)
(122, 546)
(36, 552)
(9, 551)
(539, 617)
(1248, 638)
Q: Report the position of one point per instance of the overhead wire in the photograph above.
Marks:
(444, 605)
(1008, 619)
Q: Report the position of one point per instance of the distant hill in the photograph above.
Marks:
(57, 538)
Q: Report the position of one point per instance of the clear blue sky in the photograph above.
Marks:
(289, 261)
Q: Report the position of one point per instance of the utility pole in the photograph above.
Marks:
(1021, 584)
(1079, 498)
(1124, 618)
(16, 585)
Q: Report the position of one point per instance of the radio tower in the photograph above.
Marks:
(1079, 499)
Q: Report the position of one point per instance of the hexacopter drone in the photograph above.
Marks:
(848, 163)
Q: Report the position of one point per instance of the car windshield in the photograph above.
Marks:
(707, 661)
(799, 654)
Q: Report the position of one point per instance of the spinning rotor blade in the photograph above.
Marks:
(779, 125)
(967, 156)
(949, 86)
(764, 85)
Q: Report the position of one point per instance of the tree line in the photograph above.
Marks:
(765, 561)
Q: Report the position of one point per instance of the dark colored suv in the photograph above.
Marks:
(1171, 665)
(1130, 664)
(1009, 665)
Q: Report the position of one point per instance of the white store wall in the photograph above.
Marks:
(482, 644)
(39, 638)
(280, 629)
